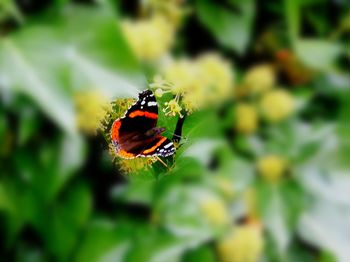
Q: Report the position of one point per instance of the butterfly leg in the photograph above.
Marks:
(160, 160)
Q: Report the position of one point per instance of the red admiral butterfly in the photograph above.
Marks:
(136, 133)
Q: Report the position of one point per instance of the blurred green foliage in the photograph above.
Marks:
(63, 199)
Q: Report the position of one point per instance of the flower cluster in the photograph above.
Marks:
(244, 243)
(172, 9)
(92, 108)
(259, 79)
(149, 38)
(215, 211)
(246, 118)
(272, 167)
(132, 166)
(277, 105)
(195, 84)
(262, 98)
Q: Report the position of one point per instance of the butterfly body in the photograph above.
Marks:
(136, 133)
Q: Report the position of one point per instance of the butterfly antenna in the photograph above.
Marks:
(181, 137)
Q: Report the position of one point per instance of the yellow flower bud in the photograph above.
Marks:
(91, 110)
(215, 211)
(131, 166)
(192, 100)
(159, 92)
(200, 83)
(277, 105)
(259, 79)
(216, 77)
(243, 244)
(150, 38)
(250, 200)
(246, 118)
(183, 75)
(172, 9)
(272, 167)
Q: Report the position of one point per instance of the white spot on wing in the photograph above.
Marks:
(152, 103)
(168, 145)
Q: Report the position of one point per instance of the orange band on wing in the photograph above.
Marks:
(124, 154)
(155, 147)
(115, 130)
(143, 113)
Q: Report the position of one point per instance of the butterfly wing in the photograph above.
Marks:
(142, 116)
(128, 133)
(161, 146)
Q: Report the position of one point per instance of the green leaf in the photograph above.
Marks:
(292, 14)
(196, 125)
(5, 203)
(55, 56)
(179, 208)
(35, 81)
(326, 178)
(280, 206)
(12, 196)
(317, 54)
(102, 242)
(61, 224)
(29, 123)
(203, 254)
(71, 157)
(158, 246)
(271, 205)
(325, 226)
(136, 191)
(230, 23)
(9, 8)
(202, 150)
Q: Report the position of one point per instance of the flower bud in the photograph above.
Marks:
(215, 211)
(259, 79)
(159, 92)
(277, 105)
(246, 118)
(243, 243)
(272, 167)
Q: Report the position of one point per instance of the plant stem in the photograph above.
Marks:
(178, 130)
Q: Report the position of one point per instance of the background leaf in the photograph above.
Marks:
(230, 21)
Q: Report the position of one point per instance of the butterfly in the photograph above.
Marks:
(136, 133)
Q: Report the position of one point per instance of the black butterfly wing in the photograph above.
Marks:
(128, 133)
(161, 146)
(141, 116)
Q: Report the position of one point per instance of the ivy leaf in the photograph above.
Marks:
(229, 21)
(102, 242)
(60, 224)
(159, 246)
(204, 254)
(9, 8)
(18, 71)
(52, 57)
(325, 226)
(281, 206)
(317, 54)
(11, 215)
